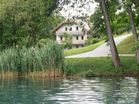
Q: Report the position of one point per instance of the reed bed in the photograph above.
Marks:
(29, 60)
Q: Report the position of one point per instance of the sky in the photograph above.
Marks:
(78, 8)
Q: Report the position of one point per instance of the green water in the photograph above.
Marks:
(70, 91)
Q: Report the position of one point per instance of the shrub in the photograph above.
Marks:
(92, 41)
(44, 42)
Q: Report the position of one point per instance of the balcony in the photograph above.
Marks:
(71, 33)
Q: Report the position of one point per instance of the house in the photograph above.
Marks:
(76, 31)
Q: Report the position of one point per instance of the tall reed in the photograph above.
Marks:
(35, 59)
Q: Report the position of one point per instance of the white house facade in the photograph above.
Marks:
(77, 32)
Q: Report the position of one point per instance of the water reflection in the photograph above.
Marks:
(113, 90)
(24, 91)
(137, 96)
(70, 91)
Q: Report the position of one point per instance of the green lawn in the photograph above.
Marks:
(88, 67)
(82, 49)
(126, 46)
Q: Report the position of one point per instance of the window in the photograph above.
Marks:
(70, 29)
(66, 29)
(82, 37)
(61, 38)
(77, 37)
(77, 28)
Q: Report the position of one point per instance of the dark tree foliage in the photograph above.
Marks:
(119, 20)
(24, 22)
(98, 26)
(50, 5)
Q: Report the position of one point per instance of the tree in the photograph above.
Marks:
(67, 41)
(79, 9)
(136, 2)
(24, 22)
(114, 52)
(128, 5)
(118, 18)
(97, 24)
(136, 8)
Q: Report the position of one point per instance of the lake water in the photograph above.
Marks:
(70, 91)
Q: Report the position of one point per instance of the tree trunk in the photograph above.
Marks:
(114, 52)
(134, 31)
(14, 29)
(33, 36)
(137, 55)
(1, 34)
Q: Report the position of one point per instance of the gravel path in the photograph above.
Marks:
(101, 51)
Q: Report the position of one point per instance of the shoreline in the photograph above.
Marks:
(8, 76)
(102, 67)
(84, 68)
(31, 75)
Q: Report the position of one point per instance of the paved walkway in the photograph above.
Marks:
(101, 51)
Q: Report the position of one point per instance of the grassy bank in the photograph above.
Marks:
(127, 46)
(89, 67)
(31, 60)
(82, 49)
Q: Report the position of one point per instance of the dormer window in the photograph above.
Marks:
(77, 28)
(70, 29)
(66, 29)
